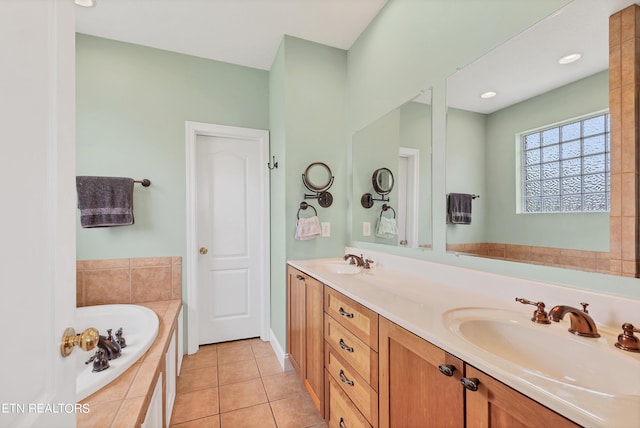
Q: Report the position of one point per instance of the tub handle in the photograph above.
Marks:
(87, 340)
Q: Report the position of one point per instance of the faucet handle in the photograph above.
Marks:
(540, 316)
(627, 341)
(584, 307)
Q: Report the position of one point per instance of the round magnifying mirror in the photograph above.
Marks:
(382, 181)
(317, 177)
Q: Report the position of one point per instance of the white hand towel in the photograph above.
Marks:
(308, 228)
(387, 228)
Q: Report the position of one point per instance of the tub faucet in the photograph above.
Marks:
(359, 260)
(581, 323)
(110, 346)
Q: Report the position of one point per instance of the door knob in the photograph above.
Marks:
(87, 340)
(203, 250)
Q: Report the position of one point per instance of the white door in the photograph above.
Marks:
(229, 231)
(37, 179)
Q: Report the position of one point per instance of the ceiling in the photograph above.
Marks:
(243, 32)
(527, 65)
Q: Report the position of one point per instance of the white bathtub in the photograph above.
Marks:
(140, 326)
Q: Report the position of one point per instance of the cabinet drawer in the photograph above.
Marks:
(355, 352)
(341, 413)
(356, 318)
(354, 385)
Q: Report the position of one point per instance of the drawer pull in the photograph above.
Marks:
(471, 383)
(345, 347)
(447, 369)
(345, 314)
(300, 277)
(342, 425)
(344, 379)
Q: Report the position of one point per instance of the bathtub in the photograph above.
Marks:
(140, 326)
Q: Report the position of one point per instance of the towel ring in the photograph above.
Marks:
(387, 207)
(304, 206)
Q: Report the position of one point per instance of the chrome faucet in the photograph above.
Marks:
(359, 260)
(581, 323)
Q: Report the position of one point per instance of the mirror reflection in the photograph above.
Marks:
(382, 181)
(519, 133)
(400, 143)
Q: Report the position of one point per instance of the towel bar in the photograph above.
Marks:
(145, 182)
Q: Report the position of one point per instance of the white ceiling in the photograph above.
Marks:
(244, 32)
(527, 65)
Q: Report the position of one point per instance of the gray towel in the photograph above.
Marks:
(105, 201)
(459, 208)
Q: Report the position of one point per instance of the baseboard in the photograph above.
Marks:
(281, 355)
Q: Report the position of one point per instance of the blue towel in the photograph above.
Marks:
(105, 201)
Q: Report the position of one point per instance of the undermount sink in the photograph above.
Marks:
(548, 351)
(342, 268)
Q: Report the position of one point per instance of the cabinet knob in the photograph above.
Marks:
(471, 383)
(447, 369)
(203, 250)
(300, 277)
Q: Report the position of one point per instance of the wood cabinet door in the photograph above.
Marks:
(495, 405)
(413, 392)
(296, 319)
(314, 341)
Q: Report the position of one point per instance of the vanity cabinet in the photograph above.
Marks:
(414, 392)
(495, 404)
(305, 335)
(351, 362)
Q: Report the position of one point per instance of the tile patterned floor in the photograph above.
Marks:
(241, 384)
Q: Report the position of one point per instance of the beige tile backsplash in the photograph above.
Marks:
(134, 280)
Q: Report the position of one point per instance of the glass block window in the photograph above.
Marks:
(566, 168)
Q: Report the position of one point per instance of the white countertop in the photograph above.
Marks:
(419, 295)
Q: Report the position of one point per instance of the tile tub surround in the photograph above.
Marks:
(133, 280)
(417, 294)
(124, 402)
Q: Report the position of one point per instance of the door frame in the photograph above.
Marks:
(193, 130)
(413, 192)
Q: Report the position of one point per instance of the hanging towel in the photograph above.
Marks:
(308, 228)
(459, 208)
(387, 227)
(105, 201)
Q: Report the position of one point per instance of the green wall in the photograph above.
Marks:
(132, 104)
(308, 124)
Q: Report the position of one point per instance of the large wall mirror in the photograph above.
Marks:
(399, 142)
(529, 86)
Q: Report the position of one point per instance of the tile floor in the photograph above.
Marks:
(241, 384)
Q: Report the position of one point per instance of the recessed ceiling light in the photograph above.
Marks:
(85, 3)
(488, 94)
(568, 59)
